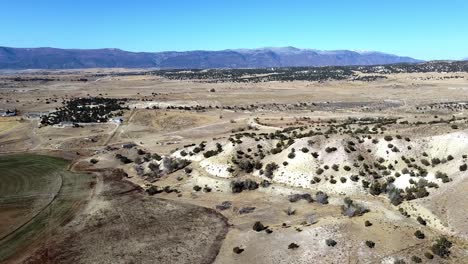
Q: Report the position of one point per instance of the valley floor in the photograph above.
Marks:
(367, 165)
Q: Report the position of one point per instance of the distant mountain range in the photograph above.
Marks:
(52, 58)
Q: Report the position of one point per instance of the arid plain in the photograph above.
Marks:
(196, 171)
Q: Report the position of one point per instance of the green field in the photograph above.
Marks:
(37, 194)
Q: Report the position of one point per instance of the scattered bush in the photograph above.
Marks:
(421, 220)
(321, 197)
(154, 190)
(293, 246)
(351, 209)
(375, 188)
(239, 186)
(463, 167)
(296, 197)
(258, 226)
(238, 250)
(419, 234)
(269, 169)
(330, 242)
(290, 211)
(246, 210)
(330, 149)
(428, 255)
(370, 244)
(442, 247)
(224, 205)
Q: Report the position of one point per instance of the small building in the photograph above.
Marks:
(8, 113)
(36, 115)
(66, 124)
(116, 120)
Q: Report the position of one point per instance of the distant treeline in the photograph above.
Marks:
(310, 73)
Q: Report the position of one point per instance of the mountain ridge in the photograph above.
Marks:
(55, 58)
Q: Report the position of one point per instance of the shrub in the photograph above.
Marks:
(351, 209)
(270, 168)
(290, 211)
(258, 226)
(370, 244)
(330, 149)
(209, 153)
(463, 167)
(123, 159)
(428, 255)
(425, 162)
(442, 247)
(440, 175)
(173, 164)
(321, 197)
(330, 242)
(419, 234)
(238, 250)
(265, 183)
(246, 210)
(395, 197)
(435, 161)
(416, 259)
(365, 184)
(154, 190)
(197, 188)
(375, 188)
(335, 167)
(293, 246)
(239, 186)
(296, 197)
(388, 138)
(246, 166)
(347, 168)
(224, 206)
(421, 220)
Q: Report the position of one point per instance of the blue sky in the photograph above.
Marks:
(426, 29)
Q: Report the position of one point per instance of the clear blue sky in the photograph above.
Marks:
(424, 29)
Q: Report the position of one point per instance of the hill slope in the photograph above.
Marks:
(52, 58)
